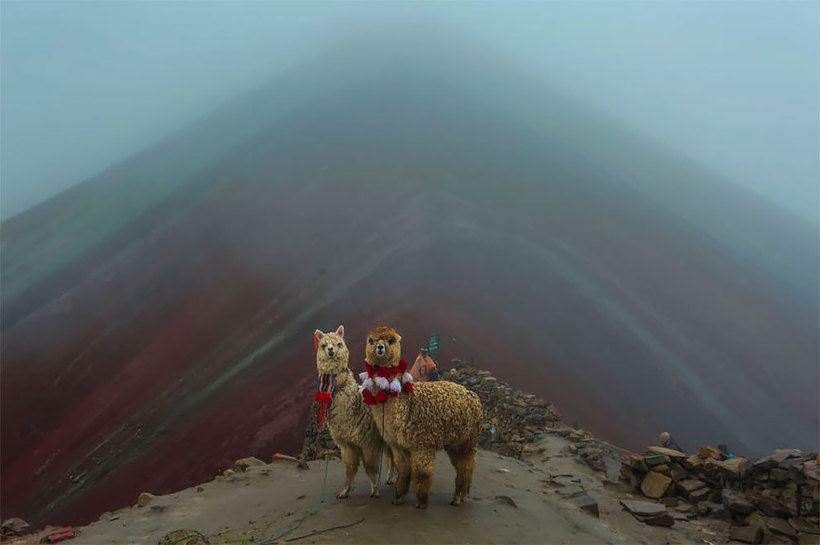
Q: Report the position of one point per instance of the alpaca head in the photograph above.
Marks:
(331, 352)
(383, 347)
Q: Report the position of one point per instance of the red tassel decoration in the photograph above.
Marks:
(321, 415)
(324, 397)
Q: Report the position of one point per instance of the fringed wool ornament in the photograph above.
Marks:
(392, 380)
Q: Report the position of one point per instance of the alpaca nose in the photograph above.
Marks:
(330, 351)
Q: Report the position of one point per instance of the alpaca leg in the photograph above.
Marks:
(371, 456)
(391, 466)
(457, 459)
(402, 459)
(422, 464)
(350, 456)
(469, 469)
(463, 459)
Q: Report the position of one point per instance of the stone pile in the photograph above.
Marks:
(513, 419)
(775, 499)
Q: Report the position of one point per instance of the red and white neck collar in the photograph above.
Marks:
(378, 381)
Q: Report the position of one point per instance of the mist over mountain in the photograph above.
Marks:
(157, 318)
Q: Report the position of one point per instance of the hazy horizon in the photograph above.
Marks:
(732, 86)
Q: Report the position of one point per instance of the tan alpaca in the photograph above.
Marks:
(416, 420)
(350, 421)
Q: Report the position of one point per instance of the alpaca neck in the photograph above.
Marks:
(344, 380)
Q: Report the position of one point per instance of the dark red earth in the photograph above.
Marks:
(157, 320)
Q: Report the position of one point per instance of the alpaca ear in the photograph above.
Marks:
(318, 334)
(340, 330)
(398, 337)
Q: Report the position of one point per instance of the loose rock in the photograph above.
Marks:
(144, 499)
(244, 463)
(587, 504)
(646, 508)
(780, 526)
(654, 485)
(737, 502)
(184, 536)
(747, 534)
(15, 527)
(506, 500)
(672, 453)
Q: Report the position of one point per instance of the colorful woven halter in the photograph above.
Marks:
(324, 396)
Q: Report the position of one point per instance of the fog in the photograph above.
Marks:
(613, 206)
(734, 86)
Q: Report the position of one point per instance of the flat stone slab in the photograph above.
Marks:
(664, 519)
(690, 485)
(565, 480)
(571, 491)
(587, 504)
(804, 526)
(656, 459)
(672, 453)
(780, 526)
(647, 508)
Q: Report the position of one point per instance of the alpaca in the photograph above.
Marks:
(416, 420)
(350, 421)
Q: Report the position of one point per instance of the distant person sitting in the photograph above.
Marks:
(725, 453)
(424, 369)
(668, 442)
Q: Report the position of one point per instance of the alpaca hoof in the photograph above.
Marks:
(456, 502)
(374, 493)
(389, 481)
(421, 506)
(343, 494)
(398, 501)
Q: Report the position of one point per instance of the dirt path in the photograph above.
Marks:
(268, 500)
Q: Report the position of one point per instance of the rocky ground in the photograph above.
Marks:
(537, 481)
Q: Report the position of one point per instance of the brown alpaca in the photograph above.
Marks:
(350, 421)
(416, 420)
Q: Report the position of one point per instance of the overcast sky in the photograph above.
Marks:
(734, 85)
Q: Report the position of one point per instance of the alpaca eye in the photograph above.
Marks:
(391, 341)
(324, 345)
(339, 345)
(370, 341)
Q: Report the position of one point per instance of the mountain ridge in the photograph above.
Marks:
(410, 197)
